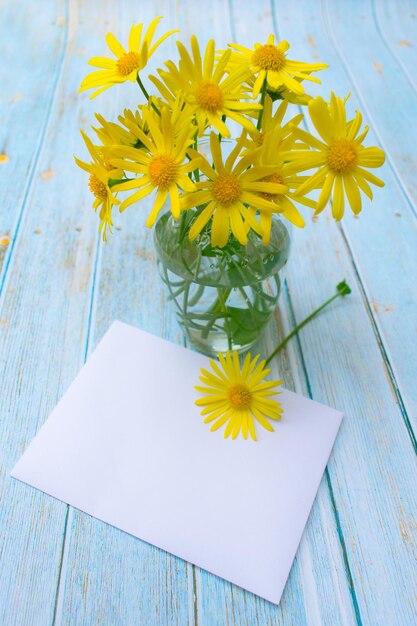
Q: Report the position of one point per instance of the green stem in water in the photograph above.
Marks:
(261, 112)
(145, 93)
(342, 289)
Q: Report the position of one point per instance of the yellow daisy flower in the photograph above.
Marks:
(207, 87)
(339, 155)
(135, 122)
(128, 131)
(101, 173)
(273, 153)
(228, 187)
(127, 63)
(237, 395)
(111, 133)
(269, 62)
(270, 121)
(160, 164)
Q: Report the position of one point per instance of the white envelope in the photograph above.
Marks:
(127, 445)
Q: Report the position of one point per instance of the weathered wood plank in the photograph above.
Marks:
(329, 249)
(361, 530)
(249, 612)
(44, 317)
(385, 227)
(109, 577)
(33, 45)
(312, 594)
(391, 226)
(82, 552)
(398, 29)
(373, 467)
(373, 70)
(346, 369)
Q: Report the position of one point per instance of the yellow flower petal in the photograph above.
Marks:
(115, 45)
(338, 206)
(325, 192)
(352, 193)
(159, 202)
(371, 178)
(321, 119)
(201, 220)
(242, 396)
(135, 197)
(371, 157)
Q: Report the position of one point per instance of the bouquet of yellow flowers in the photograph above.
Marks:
(227, 168)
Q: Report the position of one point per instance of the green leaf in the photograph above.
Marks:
(244, 324)
(343, 288)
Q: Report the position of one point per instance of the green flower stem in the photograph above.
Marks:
(342, 289)
(185, 300)
(172, 295)
(145, 93)
(223, 297)
(261, 112)
(218, 305)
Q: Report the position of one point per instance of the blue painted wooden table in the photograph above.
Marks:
(60, 288)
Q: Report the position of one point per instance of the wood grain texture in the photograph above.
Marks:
(107, 576)
(309, 597)
(398, 29)
(28, 79)
(45, 307)
(60, 290)
(389, 227)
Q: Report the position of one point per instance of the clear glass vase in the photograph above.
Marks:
(224, 297)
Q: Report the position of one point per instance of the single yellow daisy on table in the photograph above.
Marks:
(228, 188)
(237, 396)
(269, 62)
(207, 87)
(127, 63)
(339, 155)
(101, 173)
(160, 163)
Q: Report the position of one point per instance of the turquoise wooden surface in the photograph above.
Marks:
(60, 288)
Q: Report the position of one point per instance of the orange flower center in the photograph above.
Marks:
(272, 178)
(341, 156)
(209, 97)
(163, 171)
(269, 57)
(97, 187)
(240, 397)
(127, 63)
(226, 189)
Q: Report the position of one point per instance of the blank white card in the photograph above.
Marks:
(127, 445)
